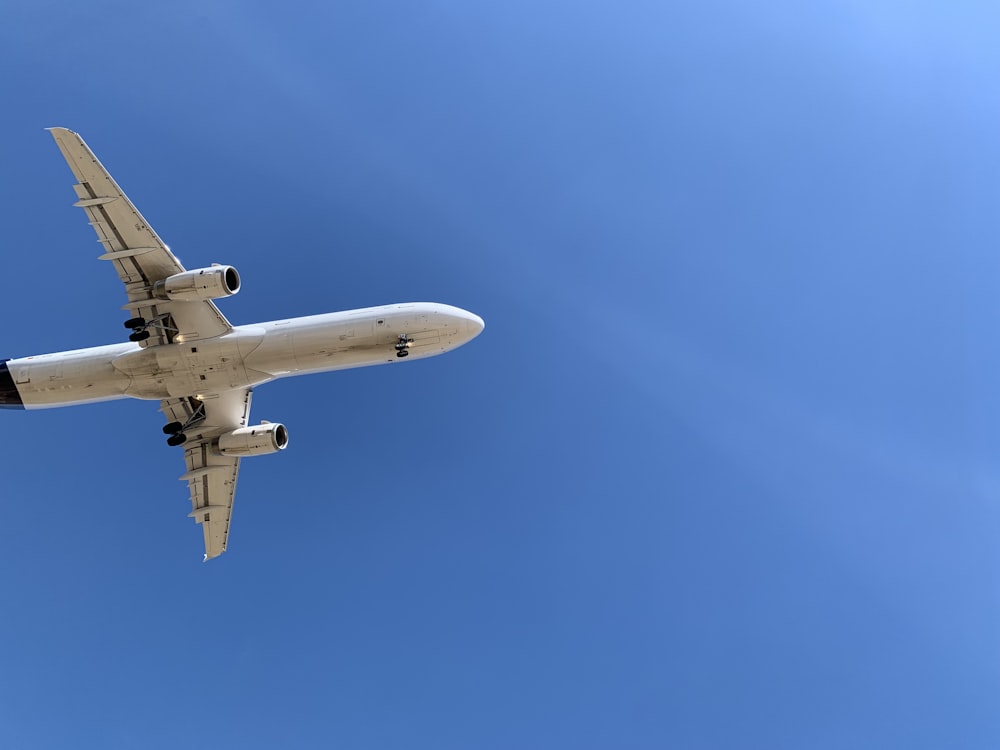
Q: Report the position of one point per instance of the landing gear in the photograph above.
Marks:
(176, 430)
(402, 346)
(140, 327)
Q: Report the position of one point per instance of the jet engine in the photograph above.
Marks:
(199, 284)
(254, 441)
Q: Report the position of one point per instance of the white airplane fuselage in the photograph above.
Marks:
(246, 357)
(183, 353)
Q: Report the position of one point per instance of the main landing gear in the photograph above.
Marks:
(176, 430)
(140, 327)
(402, 345)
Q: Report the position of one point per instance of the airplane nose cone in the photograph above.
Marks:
(464, 324)
(475, 325)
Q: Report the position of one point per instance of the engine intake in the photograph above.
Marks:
(254, 441)
(199, 284)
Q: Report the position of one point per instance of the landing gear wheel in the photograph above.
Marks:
(178, 438)
(172, 428)
(402, 353)
(135, 323)
(138, 336)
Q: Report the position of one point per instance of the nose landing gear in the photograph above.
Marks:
(402, 345)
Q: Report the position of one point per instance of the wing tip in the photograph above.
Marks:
(59, 133)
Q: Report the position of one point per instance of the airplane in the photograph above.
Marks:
(202, 369)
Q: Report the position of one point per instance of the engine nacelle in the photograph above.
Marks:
(254, 441)
(199, 284)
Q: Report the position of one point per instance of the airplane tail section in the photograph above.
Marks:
(10, 398)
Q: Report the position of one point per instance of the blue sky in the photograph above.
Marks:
(722, 471)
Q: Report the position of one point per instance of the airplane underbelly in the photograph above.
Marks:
(66, 378)
(181, 370)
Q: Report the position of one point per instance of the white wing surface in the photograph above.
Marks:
(133, 248)
(211, 477)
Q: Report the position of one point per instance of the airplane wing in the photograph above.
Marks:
(211, 477)
(133, 248)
